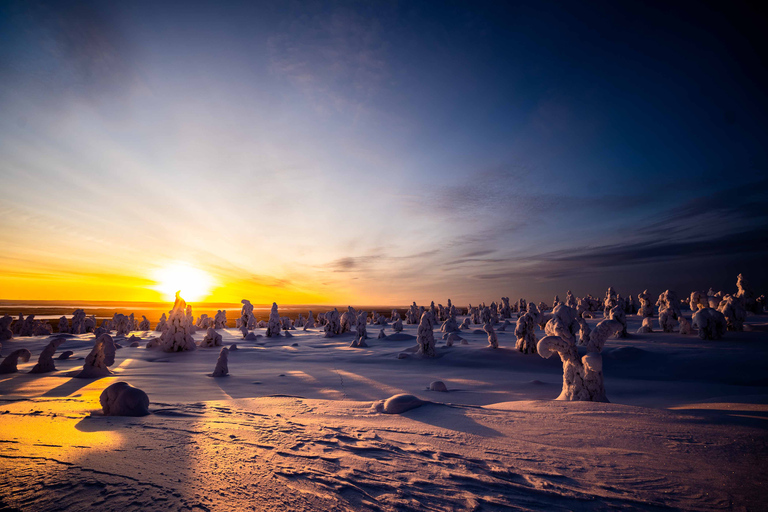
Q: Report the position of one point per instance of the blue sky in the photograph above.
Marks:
(382, 152)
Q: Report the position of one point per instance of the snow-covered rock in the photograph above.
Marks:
(122, 399)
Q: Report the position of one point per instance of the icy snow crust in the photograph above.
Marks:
(296, 425)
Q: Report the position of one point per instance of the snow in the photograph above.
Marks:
(122, 399)
(297, 427)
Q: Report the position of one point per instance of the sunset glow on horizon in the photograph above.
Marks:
(307, 153)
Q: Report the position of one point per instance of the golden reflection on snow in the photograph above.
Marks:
(391, 390)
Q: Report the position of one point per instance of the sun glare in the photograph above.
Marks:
(194, 283)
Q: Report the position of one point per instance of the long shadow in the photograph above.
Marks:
(69, 387)
(450, 417)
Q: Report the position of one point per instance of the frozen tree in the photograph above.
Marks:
(454, 338)
(746, 296)
(211, 339)
(27, 325)
(273, 327)
(685, 326)
(450, 325)
(582, 377)
(9, 363)
(397, 325)
(493, 340)
(144, 324)
(494, 313)
(465, 324)
(45, 361)
(162, 325)
(310, 322)
(525, 331)
(616, 313)
(668, 300)
(222, 368)
(584, 330)
(177, 336)
(646, 309)
(425, 336)
(90, 323)
(381, 334)
(300, 321)
(563, 323)
(122, 399)
(286, 324)
(570, 300)
(101, 357)
(204, 322)
(631, 305)
(506, 310)
(220, 320)
(534, 311)
(246, 314)
(332, 326)
(412, 315)
(710, 322)
(555, 301)
(647, 326)
(122, 324)
(243, 325)
(698, 301)
(5, 328)
(522, 306)
(78, 322)
(475, 315)
(733, 310)
(189, 320)
(360, 330)
(63, 324)
(667, 320)
(610, 301)
(41, 328)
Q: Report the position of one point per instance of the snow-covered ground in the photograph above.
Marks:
(293, 427)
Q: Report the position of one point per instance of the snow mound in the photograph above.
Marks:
(398, 404)
(438, 385)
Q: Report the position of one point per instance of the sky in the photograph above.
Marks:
(381, 152)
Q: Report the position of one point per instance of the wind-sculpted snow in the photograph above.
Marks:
(122, 399)
(98, 361)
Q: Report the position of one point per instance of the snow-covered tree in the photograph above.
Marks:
(273, 327)
(425, 336)
(9, 363)
(646, 327)
(646, 308)
(144, 324)
(310, 323)
(211, 339)
(617, 313)
(667, 320)
(101, 357)
(397, 325)
(177, 336)
(63, 324)
(582, 376)
(45, 361)
(668, 300)
(746, 295)
(222, 367)
(5, 328)
(220, 320)
(360, 330)
(525, 331)
(162, 325)
(732, 309)
(493, 340)
(710, 322)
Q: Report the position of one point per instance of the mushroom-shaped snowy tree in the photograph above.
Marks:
(9, 363)
(582, 377)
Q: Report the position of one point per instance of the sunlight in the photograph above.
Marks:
(194, 283)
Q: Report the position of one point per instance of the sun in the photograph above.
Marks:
(195, 284)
